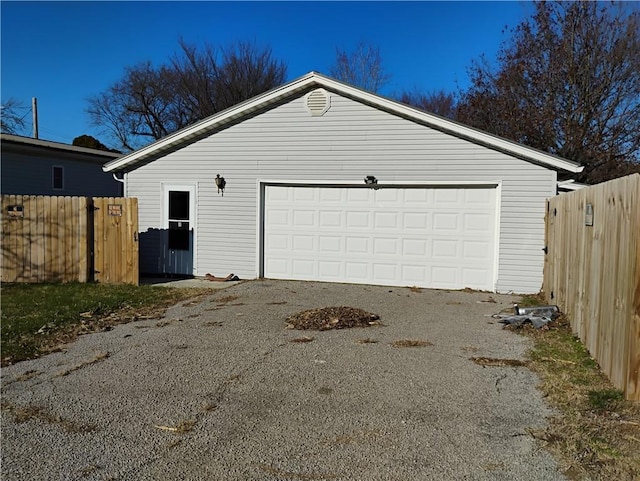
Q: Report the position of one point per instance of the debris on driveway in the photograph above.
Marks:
(326, 318)
(537, 316)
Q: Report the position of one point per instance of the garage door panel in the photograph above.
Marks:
(474, 276)
(330, 270)
(429, 237)
(358, 220)
(446, 221)
(386, 273)
(304, 243)
(303, 268)
(476, 250)
(304, 218)
(330, 244)
(415, 221)
(332, 196)
(386, 220)
(414, 247)
(278, 218)
(476, 222)
(357, 271)
(479, 196)
(416, 196)
(415, 275)
(357, 245)
(388, 246)
(278, 242)
(356, 196)
(330, 219)
(444, 249)
(447, 197)
(277, 268)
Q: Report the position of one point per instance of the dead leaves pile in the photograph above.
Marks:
(325, 318)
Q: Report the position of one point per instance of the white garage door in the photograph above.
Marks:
(426, 237)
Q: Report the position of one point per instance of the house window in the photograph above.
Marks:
(58, 177)
(179, 232)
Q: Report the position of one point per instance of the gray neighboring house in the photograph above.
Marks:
(328, 182)
(40, 167)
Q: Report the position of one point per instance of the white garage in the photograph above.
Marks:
(425, 236)
(327, 182)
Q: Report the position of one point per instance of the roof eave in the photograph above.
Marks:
(313, 78)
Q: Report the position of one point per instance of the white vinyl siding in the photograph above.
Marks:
(348, 142)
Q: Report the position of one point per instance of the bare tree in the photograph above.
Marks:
(568, 82)
(361, 68)
(150, 102)
(12, 115)
(439, 102)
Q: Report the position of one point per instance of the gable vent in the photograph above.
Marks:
(318, 102)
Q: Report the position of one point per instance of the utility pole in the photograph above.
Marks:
(34, 110)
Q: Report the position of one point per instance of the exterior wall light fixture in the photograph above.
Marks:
(220, 183)
(370, 180)
(588, 215)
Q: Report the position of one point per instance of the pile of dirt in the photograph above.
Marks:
(326, 318)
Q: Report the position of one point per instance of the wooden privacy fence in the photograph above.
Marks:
(592, 272)
(64, 239)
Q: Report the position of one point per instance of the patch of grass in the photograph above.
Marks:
(37, 318)
(603, 399)
(532, 300)
(596, 433)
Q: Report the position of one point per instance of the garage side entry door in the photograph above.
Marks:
(433, 237)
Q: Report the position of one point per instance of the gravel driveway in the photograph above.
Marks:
(217, 390)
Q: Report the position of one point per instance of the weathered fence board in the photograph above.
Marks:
(52, 239)
(39, 240)
(593, 273)
(116, 240)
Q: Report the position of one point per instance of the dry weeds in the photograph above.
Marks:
(166, 322)
(494, 362)
(366, 340)
(222, 301)
(597, 433)
(303, 339)
(182, 427)
(28, 375)
(22, 414)
(101, 356)
(411, 343)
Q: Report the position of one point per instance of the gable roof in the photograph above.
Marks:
(80, 153)
(314, 80)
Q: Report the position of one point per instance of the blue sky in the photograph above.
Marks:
(64, 52)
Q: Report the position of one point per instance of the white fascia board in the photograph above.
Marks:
(314, 78)
(210, 123)
(571, 185)
(455, 128)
